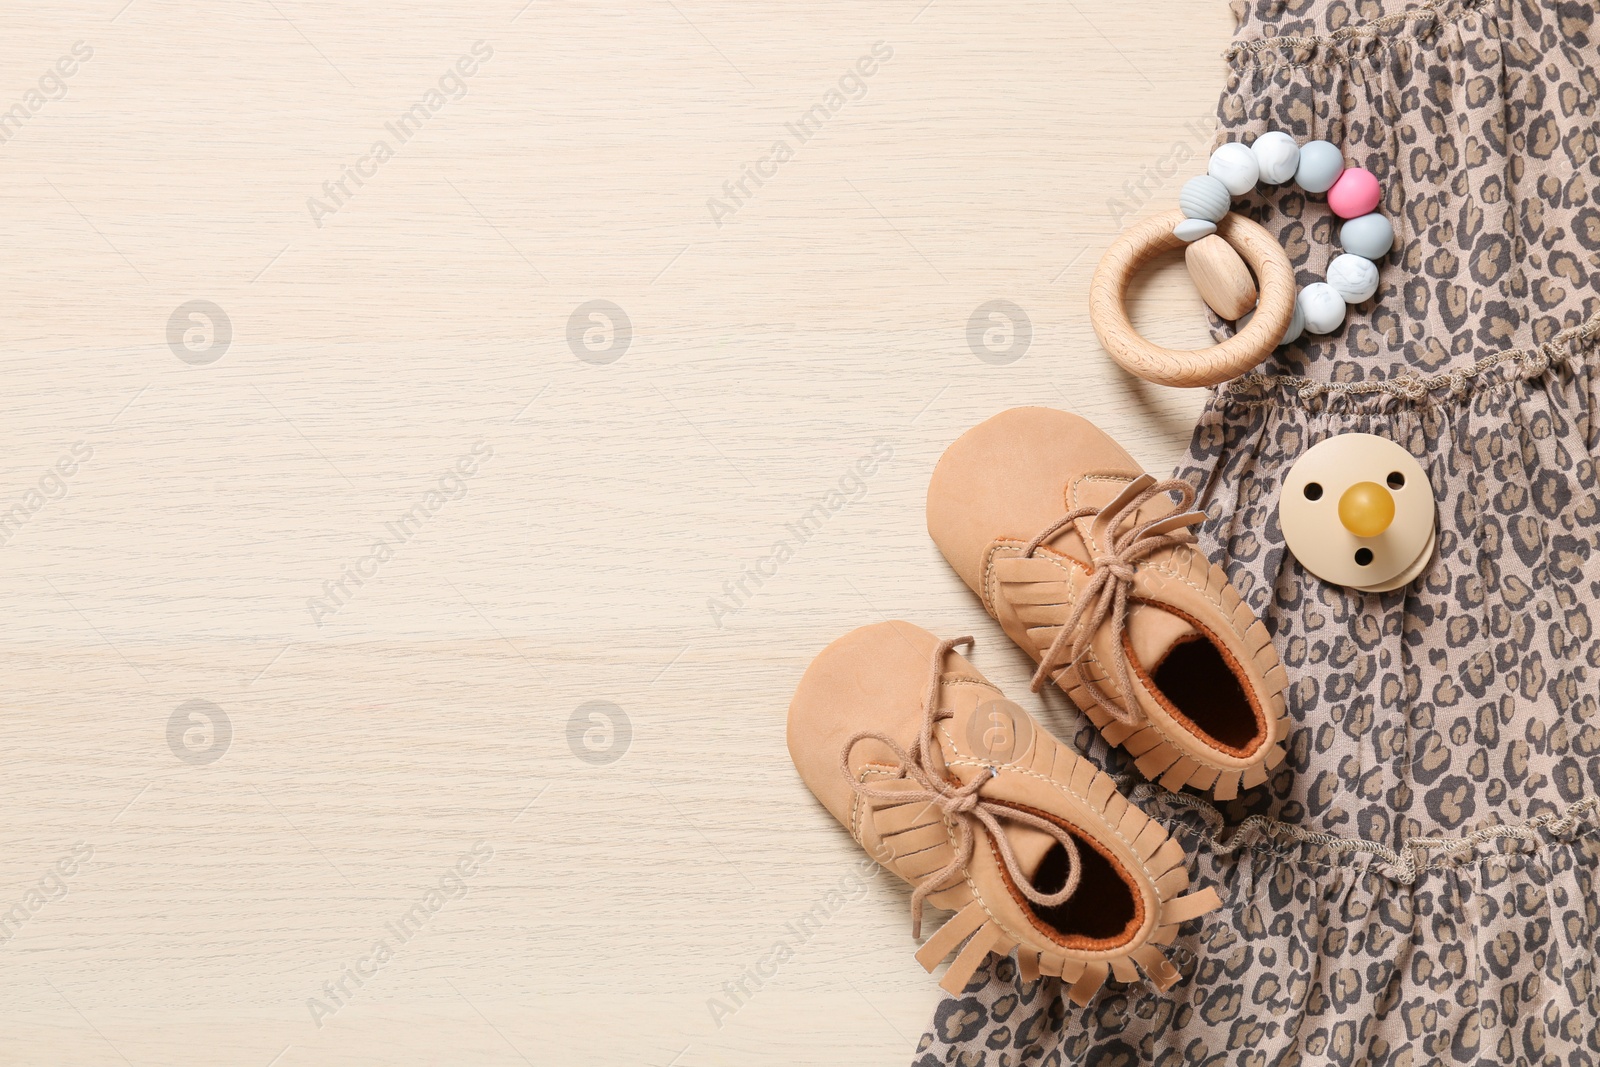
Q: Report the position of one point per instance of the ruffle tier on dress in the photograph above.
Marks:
(1472, 950)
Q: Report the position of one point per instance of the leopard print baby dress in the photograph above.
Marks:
(1419, 882)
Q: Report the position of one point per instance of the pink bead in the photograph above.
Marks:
(1356, 193)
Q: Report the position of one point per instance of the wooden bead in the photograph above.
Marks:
(1221, 276)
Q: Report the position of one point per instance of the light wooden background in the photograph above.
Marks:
(235, 870)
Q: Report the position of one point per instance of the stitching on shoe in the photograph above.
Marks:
(867, 770)
(1062, 561)
(1204, 591)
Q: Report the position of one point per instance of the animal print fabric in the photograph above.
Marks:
(1419, 883)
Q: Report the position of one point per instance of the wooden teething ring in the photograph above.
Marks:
(1149, 238)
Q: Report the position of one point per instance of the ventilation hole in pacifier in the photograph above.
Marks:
(1313, 491)
(1363, 556)
(1396, 480)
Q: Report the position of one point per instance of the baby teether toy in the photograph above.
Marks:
(1222, 254)
(1235, 236)
(1357, 510)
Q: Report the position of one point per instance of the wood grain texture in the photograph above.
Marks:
(415, 521)
(1146, 242)
(1220, 277)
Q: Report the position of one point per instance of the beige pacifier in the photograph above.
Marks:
(1357, 510)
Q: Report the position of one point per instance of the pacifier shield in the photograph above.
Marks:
(1357, 510)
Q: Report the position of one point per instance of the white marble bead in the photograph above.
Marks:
(1370, 236)
(1193, 229)
(1321, 307)
(1320, 165)
(1203, 197)
(1277, 155)
(1354, 277)
(1235, 166)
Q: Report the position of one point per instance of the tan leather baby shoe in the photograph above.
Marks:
(1089, 565)
(962, 794)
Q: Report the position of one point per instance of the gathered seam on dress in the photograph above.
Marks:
(1412, 388)
(1434, 11)
(1408, 862)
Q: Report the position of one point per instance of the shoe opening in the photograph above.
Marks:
(1104, 910)
(1198, 683)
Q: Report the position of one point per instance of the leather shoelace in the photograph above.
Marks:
(961, 804)
(1105, 596)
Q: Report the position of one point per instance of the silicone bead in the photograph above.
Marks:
(1322, 307)
(1320, 165)
(1353, 277)
(1203, 197)
(1297, 325)
(1355, 193)
(1194, 229)
(1277, 155)
(1235, 166)
(1370, 236)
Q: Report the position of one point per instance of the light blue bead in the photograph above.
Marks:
(1194, 229)
(1297, 325)
(1203, 197)
(1321, 163)
(1368, 236)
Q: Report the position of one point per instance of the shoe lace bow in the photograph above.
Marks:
(963, 807)
(1104, 597)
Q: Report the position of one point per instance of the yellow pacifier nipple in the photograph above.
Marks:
(1366, 509)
